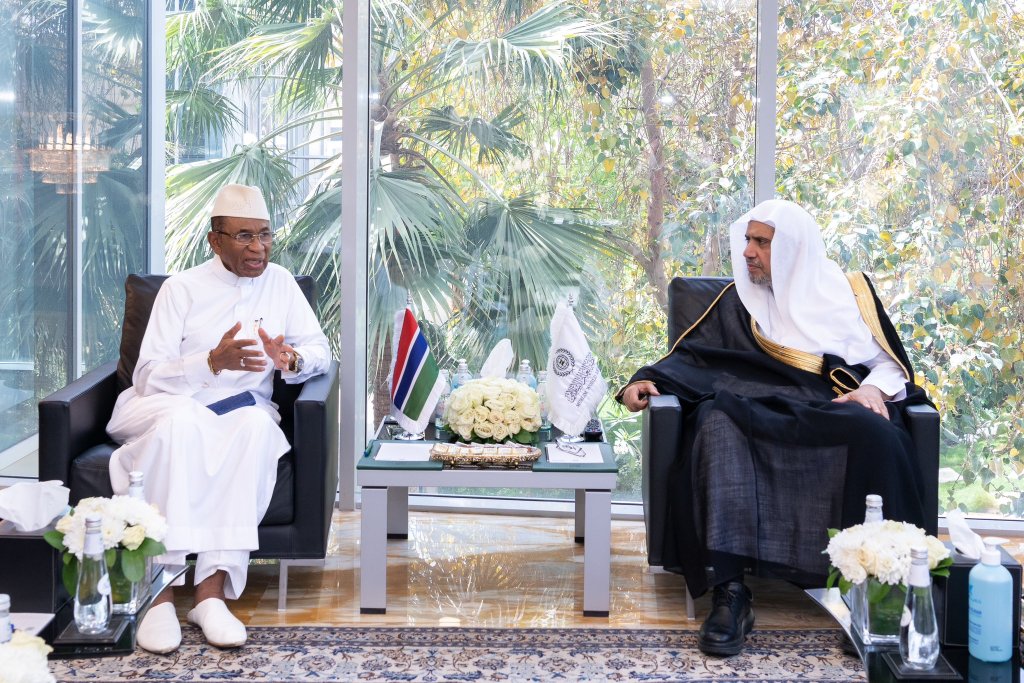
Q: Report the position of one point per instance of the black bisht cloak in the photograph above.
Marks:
(768, 463)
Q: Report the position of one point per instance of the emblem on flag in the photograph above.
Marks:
(416, 382)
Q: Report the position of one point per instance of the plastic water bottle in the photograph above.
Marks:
(525, 375)
(919, 630)
(5, 618)
(542, 394)
(442, 402)
(135, 485)
(462, 374)
(92, 595)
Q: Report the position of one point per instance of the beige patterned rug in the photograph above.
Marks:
(466, 654)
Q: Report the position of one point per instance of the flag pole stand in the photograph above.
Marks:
(570, 438)
(409, 436)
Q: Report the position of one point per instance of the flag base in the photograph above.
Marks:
(409, 436)
(570, 438)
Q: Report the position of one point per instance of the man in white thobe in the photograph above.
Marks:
(217, 331)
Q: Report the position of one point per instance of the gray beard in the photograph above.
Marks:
(763, 279)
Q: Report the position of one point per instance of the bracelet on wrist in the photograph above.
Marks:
(209, 362)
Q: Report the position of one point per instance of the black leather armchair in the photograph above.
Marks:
(74, 446)
(688, 298)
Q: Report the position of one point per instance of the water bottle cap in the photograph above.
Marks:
(873, 500)
(93, 521)
(5, 602)
(918, 552)
(135, 477)
(542, 375)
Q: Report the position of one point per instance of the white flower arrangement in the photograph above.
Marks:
(23, 660)
(130, 525)
(881, 550)
(493, 409)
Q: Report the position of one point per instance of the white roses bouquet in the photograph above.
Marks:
(493, 410)
(881, 550)
(23, 660)
(131, 526)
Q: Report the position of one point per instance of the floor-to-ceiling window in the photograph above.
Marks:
(902, 125)
(73, 194)
(523, 152)
(254, 97)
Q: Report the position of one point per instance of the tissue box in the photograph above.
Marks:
(951, 597)
(30, 571)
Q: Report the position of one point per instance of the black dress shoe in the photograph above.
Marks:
(731, 619)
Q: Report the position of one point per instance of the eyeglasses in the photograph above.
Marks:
(266, 237)
(577, 451)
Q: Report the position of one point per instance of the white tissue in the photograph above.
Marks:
(32, 505)
(966, 542)
(499, 360)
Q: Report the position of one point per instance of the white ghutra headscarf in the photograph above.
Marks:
(809, 305)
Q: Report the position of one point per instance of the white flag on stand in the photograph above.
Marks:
(575, 384)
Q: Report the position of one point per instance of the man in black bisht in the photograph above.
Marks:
(792, 386)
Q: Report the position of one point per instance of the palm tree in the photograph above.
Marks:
(479, 260)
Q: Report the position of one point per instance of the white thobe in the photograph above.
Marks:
(212, 476)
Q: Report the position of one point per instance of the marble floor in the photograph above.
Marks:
(494, 571)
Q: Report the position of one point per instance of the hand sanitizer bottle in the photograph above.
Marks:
(525, 375)
(989, 612)
(462, 374)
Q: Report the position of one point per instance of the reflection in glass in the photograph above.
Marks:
(72, 196)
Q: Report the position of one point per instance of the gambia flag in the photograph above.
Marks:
(416, 384)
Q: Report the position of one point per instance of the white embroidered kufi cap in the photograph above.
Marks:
(240, 201)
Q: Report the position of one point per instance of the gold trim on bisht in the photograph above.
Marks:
(866, 305)
(792, 357)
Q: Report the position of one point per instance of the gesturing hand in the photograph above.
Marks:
(869, 396)
(635, 395)
(237, 354)
(277, 350)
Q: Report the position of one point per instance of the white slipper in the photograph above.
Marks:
(219, 625)
(159, 631)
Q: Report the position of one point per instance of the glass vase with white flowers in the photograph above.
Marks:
(133, 532)
(877, 556)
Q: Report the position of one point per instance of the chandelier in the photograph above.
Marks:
(60, 158)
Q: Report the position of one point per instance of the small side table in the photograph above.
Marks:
(385, 512)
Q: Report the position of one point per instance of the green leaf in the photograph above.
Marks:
(133, 564)
(55, 538)
(832, 532)
(110, 555)
(149, 548)
(70, 574)
(877, 591)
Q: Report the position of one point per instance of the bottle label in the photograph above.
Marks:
(103, 587)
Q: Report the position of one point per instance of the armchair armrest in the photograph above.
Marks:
(923, 424)
(661, 428)
(317, 422)
(74, 419)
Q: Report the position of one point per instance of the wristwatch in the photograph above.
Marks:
(295, 365)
